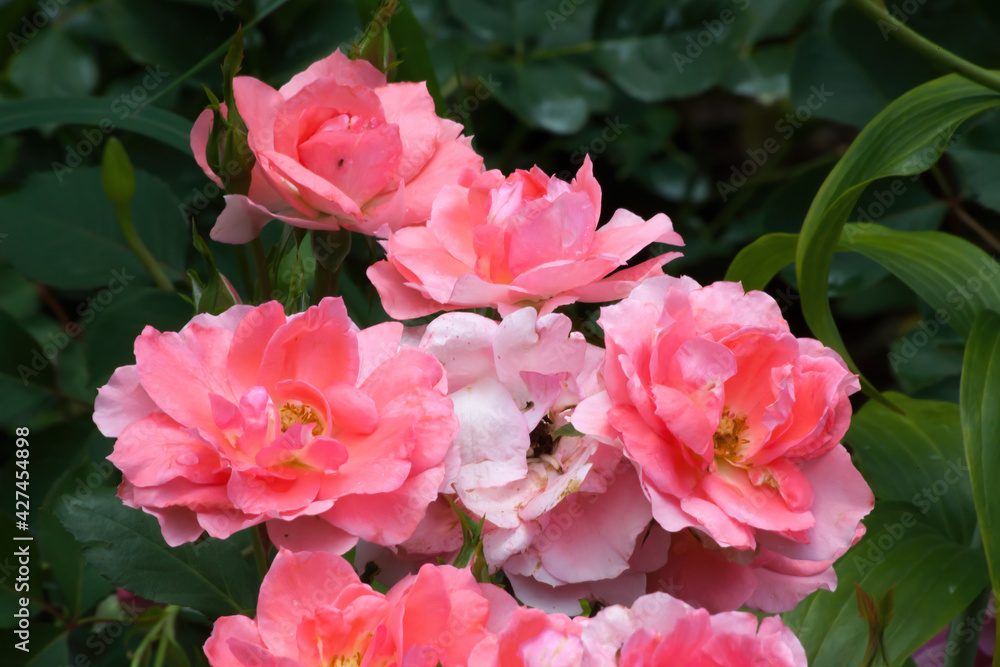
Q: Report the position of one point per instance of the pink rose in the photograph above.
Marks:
(558, 507)
(532, 638)
(734, 425)
(339, 147)
(324, 432)
(661, 630)
(313, 611)
(527, 239)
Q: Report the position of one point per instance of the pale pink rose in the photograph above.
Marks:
(533, 638)
(558, 507)
(339, 147)
(734, 425)
(527, 239)
(326, 433)
(313, 611)
(661, 630)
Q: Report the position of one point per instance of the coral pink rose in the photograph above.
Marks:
(661, 630)
(313, 611)
(557, 508)
(734, 425)
(532, 638)
(304, 422)
(527, 239)
(339, 147)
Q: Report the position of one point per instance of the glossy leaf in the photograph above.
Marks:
(105, 113)
(81, 585)
(980, 396)
(906, 138)
(758, 263)
(126, 547)
(917, 457)
(956, 278)
(74, 237)
(935, 579)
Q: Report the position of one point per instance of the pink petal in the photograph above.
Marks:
(121, 401)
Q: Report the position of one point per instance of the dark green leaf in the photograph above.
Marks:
(111, 337)
(126, 546)
(73, 237)
(106, 114)
(906, 138)
(53, 64)
(81, 585)
(980, 396)
(917, 457)
(935, 580)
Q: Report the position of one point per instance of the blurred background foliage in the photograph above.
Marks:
(725, 114)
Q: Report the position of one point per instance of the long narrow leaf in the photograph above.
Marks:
(907, 137)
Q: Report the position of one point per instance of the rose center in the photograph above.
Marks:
(299, 413)
(542, 442)
(727, 437)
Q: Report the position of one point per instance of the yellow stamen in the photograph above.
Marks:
(727, 437)
(299, 413)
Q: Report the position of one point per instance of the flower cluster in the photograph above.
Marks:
(315, 611)
(689, 466)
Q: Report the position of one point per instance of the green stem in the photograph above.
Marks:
(967, 649)
(258, 550)
(563, 51)
(927, 48)
(260, 261)
(330, 249)
(124, 216)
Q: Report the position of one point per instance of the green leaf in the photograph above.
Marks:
(555, 96)
(906, 138)
(666, 67)
(111, 337)
(105, 113)
(74, 241)
(166, 35)
(125, 545)
(935, 579)
(758, 263)
(411, 48)
(81, 585)
(980, 396)
(956, 278)
(917, 457)
(53, 64)
(863, 69)
(49, 647)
